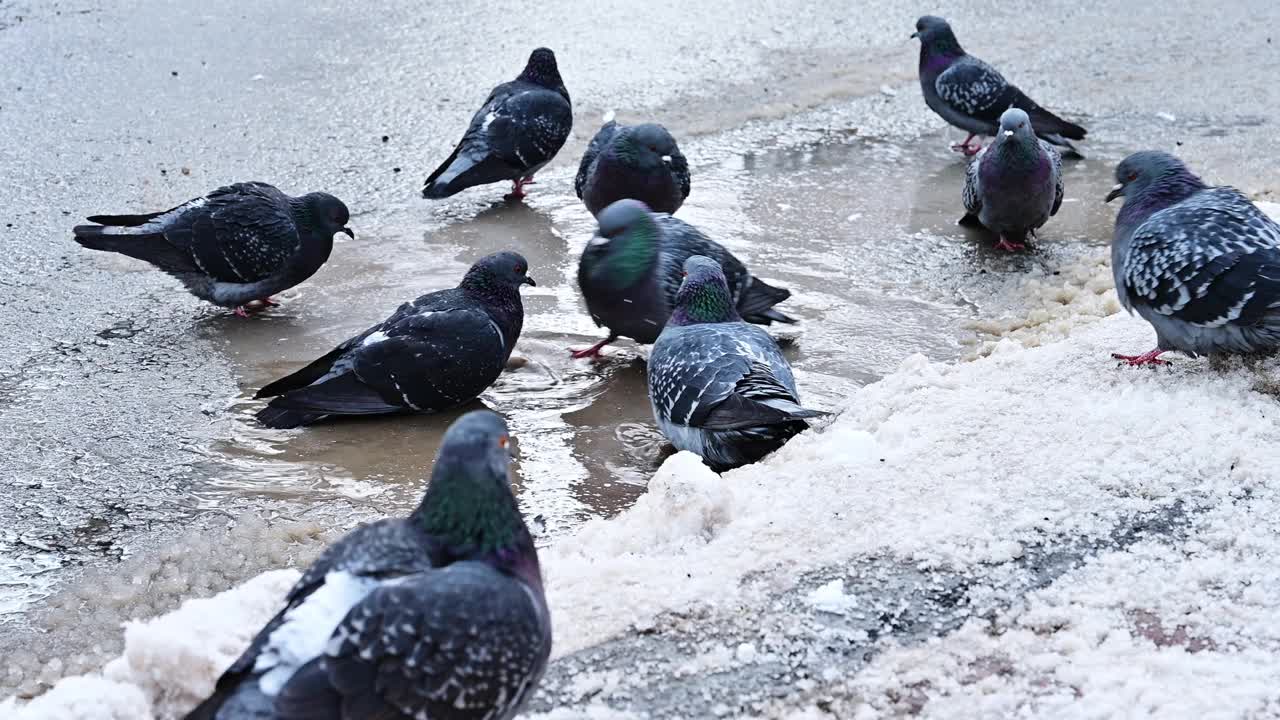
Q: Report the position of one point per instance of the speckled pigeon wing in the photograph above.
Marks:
(598, 144)
(976, 89)
(1055, 159)
(691, 369)
(526, 127)
(680, 169)
(682, 241)
(973, 185)
(385, 548)
(242, 234)
(461, 643)
(1210, 260)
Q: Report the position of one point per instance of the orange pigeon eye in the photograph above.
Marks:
(502, 441)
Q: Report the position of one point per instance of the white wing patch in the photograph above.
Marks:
(307, 628)
(373, 339)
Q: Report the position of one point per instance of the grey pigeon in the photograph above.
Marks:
(438, 352)
(639, 161)
(630, 273)
(520, 127)
(1200, 263)
(1014, 184)
(970, 94)
(720, 387)
(237, 245)
(437, 615)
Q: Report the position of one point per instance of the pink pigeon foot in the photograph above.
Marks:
(1009, 246)
(1147, 358)
(591, 352)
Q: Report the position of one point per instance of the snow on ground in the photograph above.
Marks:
(961, 467)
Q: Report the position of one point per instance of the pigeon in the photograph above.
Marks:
(720, 387)
(630, 273)
(520, 127)
(438, 352)
(440, 614)
(1014, 184)
(970, 94)
(1200, 263)
(239, 244)
(639, 161)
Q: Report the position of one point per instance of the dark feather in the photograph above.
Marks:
(755, 303)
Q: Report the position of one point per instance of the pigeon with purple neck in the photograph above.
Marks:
(1200, 263)
(1014, 184)
(970, 94)
(440, 614)
(720, 387)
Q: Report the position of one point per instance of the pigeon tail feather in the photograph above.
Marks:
(755, 304)
(281, 418)
(151, 247)
(460, 172)
(123, 220)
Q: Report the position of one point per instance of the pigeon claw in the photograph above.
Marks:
(517, 187)
(591, 352)
(1147, 358)
(241, 312)
(1009, 246)
(967, 147)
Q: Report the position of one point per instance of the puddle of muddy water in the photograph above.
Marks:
(862, 232)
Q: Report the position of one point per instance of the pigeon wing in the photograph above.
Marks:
(1210, 260)
(598, 144)
(461, 642)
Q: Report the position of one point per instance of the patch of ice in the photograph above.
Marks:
(831, 598)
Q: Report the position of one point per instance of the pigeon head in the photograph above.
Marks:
(499, 273)
(468, 504)
(626, 241)
(328, 214)
(542, 70)
(646, 146)
(704, 294)
(936, 36)
(1016, 122)
(1153, 175)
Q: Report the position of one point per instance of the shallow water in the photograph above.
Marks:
(862, 231)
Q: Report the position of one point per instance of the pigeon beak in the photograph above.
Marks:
(1008, 133)
(1116, 192)
(528, 281)
(666, 159)
(915, 35)
(348, 233)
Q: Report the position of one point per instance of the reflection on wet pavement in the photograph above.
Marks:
(862, 231)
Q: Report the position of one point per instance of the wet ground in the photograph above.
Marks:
(127, 420)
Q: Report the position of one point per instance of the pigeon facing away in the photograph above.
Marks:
(630, 274)
(239, 244)
(438, 352)
(720, 387)
(1014, 184)
(640, 161)
(440, 614)
(520, 127)
(971, 95)
(1200, 263)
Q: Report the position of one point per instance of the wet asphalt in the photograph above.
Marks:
(124, 402)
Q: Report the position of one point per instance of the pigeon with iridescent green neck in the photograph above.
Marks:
(438, 615)
(1200, 263)
(631, 270)
(641, 162)
(719, 387)
(1014, 184)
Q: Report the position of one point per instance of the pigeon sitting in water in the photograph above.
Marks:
(1200, 263)
(1014, 184)
(720, 387)
(520, 127)
(237, 245)
(438, 615)
(641, 162)
(970, 94)
(630, 273)
(438, 352)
